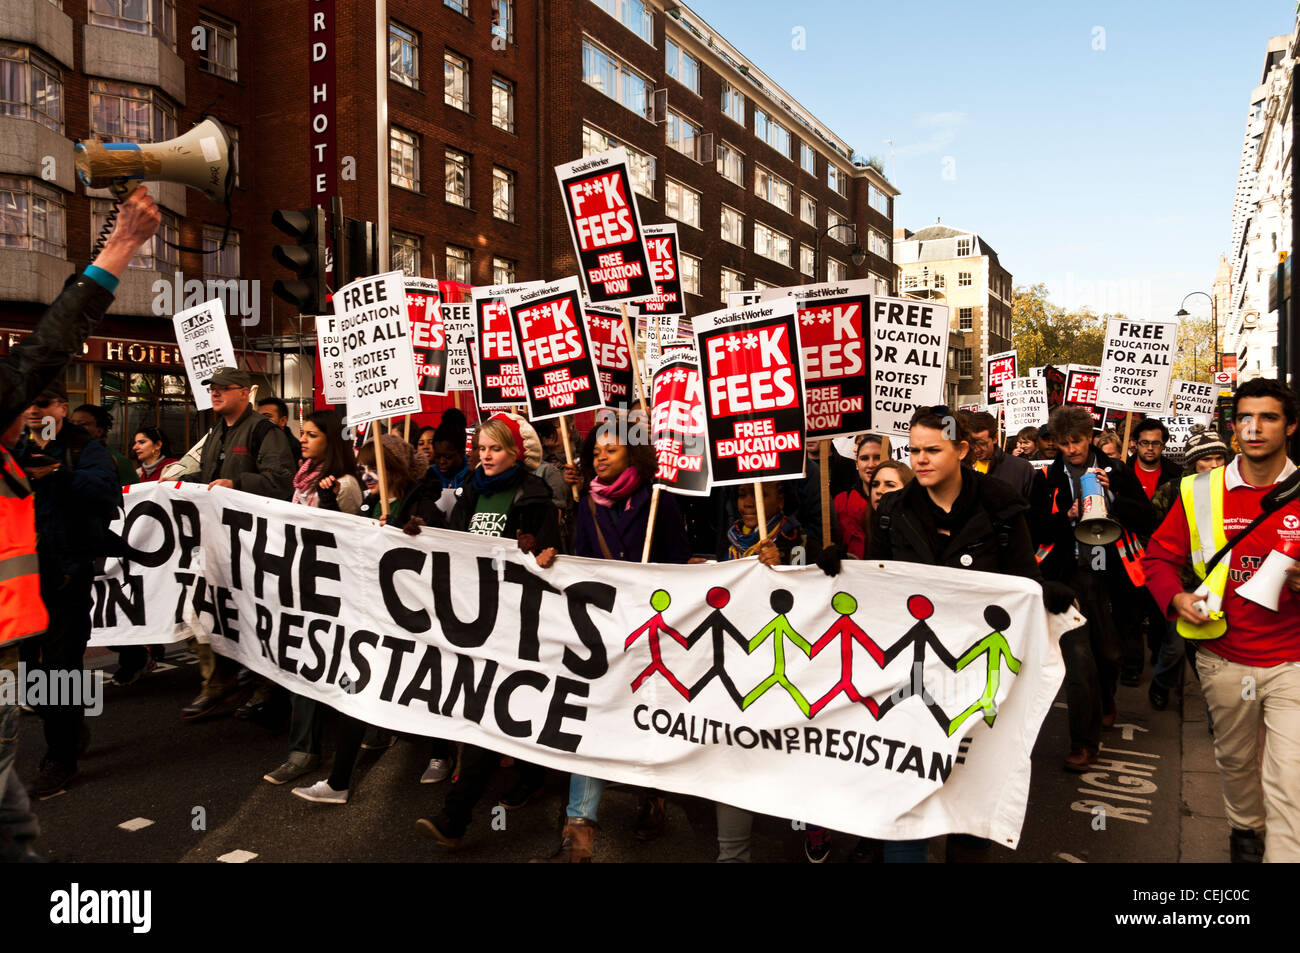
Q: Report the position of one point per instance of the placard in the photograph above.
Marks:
(836, 359)
(742, 299)
(458, 327)
(1024, 403)
(665, 271)
(377, 357)
(909, 358)
(1054, 379)
(998, 369)
(329, 349)
(753, 392)
(600, 206)
(1081, 389)
(613, 356)
(677, 424)
(428, 339)
(1136, 365)
(1192, 399)
(550, 333)
(204, 342)
(499, 380)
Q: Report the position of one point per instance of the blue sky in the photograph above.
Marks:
(1107, 173)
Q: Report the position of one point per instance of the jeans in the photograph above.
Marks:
(584, 796)
(1169, 663)
(304, 725)
(906, 851)
(477, 766)
(18, 825)
(61, 649)
(1091, 654)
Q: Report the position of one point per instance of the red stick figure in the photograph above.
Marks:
(659, 601)
(848, 632)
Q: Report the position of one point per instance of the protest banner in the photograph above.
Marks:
(458, 328)
(754, 394)
(1136, 365)
(665, 271)
(998, 369)
(616, 670)
(329, 349)
(378, 362)
(909, 356)
(677, 424)
(613, 355)
(428, 337)
(1024, 403)
(550, 338)
(600, 206)
(836, 360)
(204, 342)
(498, 376)
(1192, 399)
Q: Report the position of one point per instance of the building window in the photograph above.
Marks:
(910, 282)
(878, 199)
(595, 141)
(218, 261)
(220, 54)
(807, 260)
(877, 244)
(503, 271)
(607, 73)
(731, 281)
(503, 194)
(503, 104)
(31, 87)
(403, 55)
(154, 254)
(404, 253)
(807, 158)
(772, 132)
(940, 281)
(147, 17)
(404, 158)
(731, 163)
(963, 247)
(682, 203)
(837, 179)
(636, 15)
(32, 216)
(882, 284)
(458, 264)
(965, 319)
(963, 279)
(455, 81)
(771, 244)
(681, 66)
(833, 222)
(503, 19)
(690, 266)
(733, 103)
(807, 209)
(772, 188)
(460, 6)
(682, 134)
(836, 270)
(456, 178)
(965, 362)
(733, 226)
(129, 113)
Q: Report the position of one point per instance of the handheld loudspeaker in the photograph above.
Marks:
(1264, 588)
(1095, 527)
(199, 159)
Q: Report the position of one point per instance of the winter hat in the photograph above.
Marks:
(1203, 444)
(398, 447)
(530, 453)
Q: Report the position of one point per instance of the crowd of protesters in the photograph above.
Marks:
(965, 499)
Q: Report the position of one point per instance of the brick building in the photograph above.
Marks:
(763, 193)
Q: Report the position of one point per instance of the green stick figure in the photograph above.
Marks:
(780, 630)
(994, 648)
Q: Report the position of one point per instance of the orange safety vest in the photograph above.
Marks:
(21, 611)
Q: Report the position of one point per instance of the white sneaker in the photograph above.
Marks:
(322, 793)
(437, 771)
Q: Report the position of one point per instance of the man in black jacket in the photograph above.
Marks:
(987, 457)
(1091, 653)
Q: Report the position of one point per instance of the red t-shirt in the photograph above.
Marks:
(1256, 636)
(1148, 478)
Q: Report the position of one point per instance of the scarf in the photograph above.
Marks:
(741, 544)
(487, 485)
(147, 472)
(606, 494)
(305, 483)
(453, 482)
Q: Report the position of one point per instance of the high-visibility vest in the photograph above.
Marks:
(21, 611)
(1202, 496)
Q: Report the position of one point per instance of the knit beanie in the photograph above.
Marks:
(398, 447)
(1203, 444)
(530, 455)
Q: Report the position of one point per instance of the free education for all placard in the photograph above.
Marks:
(606, 230)
(377, 358)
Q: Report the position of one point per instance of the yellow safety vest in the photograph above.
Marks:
(1202, 496)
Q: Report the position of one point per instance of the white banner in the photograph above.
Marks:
(204, 340)
(882, 701)
(1136, 364)
(909, 357)
(378, 360)
(458, 325)
(1192, 399)
(1024, 403)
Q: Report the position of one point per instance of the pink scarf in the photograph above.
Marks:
(305, 481)
(606, 494)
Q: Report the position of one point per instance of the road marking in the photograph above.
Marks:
(1070, 858)
(1061, 705)
(1127, 730)
(237, 857)
(1111, 779)
(135, 824)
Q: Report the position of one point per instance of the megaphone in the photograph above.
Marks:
(1264, 588)
(1095, 527)
(199, 159)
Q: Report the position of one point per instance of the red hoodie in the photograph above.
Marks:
(1256, 636)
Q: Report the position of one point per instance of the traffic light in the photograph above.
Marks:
(306, 259)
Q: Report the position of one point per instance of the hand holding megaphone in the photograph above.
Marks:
(137, 220)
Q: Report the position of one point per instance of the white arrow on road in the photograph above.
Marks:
(1127, 730)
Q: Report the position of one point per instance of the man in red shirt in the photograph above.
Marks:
(1251, 673)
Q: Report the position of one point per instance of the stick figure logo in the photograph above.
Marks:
(719, 627)
(652, 629)
(848, 632)
(778, 630)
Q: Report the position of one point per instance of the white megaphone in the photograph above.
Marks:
(1095, 527)
(199, 159)
(1265, 587)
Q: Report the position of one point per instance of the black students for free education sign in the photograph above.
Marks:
(601, 209)
(498, 376)
(753, 392)
(665, 270)
(550, 332)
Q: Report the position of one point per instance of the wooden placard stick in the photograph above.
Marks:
(824, 458)
(379, 465)
(631, 348)
(650, 524)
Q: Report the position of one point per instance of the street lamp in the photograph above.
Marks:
(857, 256)
(1214, 318)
